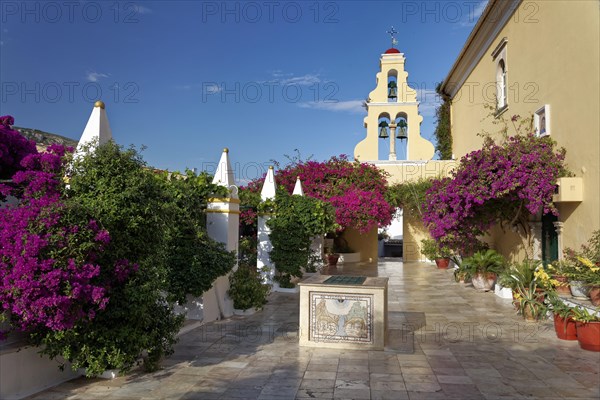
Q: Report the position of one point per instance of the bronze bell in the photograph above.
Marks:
(383, 130)
(402, 130)
(392, 90)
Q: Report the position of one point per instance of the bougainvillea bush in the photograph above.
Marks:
(502, 183)
(90, 270)
(355, 190)
(13, 148)
(47, 262)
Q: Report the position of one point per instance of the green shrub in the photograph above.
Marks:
(247, 289)
(484, 262)
(296, 220)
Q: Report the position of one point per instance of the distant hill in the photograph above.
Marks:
(44, 139)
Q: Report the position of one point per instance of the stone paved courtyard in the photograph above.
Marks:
(447, 341)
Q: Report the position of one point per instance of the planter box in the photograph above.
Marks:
(247, 312)
(349, 257)
(277, 288)
(503, 292)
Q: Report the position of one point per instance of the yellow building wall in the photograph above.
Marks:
(552, 57)
(413, 229)
(365, 243)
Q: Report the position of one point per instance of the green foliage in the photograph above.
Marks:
(296, 221)
(525, 280)
(584, 265)
(193, 259)
(559, 307)
(486, 261)
(519, 274)
(443, 132)
(156, 221)
(584, 315)
(194, 262)
(410, 196)
(114, 186)
(247, 289)
(433, 250)
(531, 302)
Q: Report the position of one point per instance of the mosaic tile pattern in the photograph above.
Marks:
(341, 318)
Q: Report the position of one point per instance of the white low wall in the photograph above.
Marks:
(23, 372)
(349, 257)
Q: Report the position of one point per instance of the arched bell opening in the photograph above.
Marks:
(392, 86)
(383, 133)
(401, 135)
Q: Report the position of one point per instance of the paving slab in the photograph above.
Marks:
(447, 341)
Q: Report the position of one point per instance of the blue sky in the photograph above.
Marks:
(187, 78)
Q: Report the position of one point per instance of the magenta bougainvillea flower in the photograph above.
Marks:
(49, 278)
(500, 183)
(355, 190)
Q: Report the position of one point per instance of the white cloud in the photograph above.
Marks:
(353, 106)
(212, 88)
(304, 80)
(289, 78)
(470, 18)
(95, 76)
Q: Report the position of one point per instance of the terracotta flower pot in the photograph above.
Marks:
(588, 335)
(332, 259)
(563, 289)
(594, 294)
(565, 329)
(484, 281)
(442, 263)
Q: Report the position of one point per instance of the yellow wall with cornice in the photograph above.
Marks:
(552, 58)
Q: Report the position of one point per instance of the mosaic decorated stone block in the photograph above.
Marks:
(343, 312)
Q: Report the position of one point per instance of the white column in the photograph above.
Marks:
(392, 141)
(536, 238)
(264, 246)
(559, 237)
(222, 225)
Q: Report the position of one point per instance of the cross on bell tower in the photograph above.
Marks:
(392, 32)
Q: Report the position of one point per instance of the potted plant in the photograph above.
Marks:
(332, 256)
(588, 328)
(247, 290)
(584, 273)
(526, 276)
(504, 287)
(588, 276)
(531, 302)
(564, 324)
(461, 275)
(434, 251)
(483, 268)
(559, 270)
